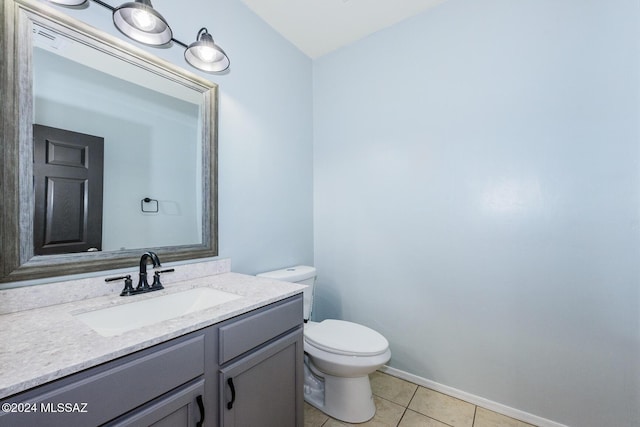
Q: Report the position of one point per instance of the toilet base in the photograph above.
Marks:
(345, 399)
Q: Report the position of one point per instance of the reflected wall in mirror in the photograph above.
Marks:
(151, 137)
(158, 123)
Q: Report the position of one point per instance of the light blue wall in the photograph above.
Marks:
(265, 130)
(476, 173)
(475, 188)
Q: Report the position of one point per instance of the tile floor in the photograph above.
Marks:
(401, 403)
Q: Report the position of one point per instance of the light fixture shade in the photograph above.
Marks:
(205, 55)
(69, 2)
(139, 21)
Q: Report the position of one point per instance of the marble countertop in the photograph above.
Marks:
(43, 344)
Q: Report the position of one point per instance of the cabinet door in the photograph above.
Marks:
(182, 407)
(264, 388)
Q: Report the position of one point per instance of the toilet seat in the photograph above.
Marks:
(346, 338)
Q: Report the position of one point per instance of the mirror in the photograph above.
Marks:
(156, 126)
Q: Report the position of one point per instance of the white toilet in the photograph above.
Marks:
(339, 356)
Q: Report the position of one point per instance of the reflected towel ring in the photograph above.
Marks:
(149, 200)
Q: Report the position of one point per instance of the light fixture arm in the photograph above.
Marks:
(103, 4)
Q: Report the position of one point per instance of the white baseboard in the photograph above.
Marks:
(471, 398)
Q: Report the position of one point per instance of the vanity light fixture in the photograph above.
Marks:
(139, 21)
(205, 55)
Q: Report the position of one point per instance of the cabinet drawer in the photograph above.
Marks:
(244, 334)
(110, 390)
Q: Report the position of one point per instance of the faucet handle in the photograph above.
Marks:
(128, 284)
(156, 279)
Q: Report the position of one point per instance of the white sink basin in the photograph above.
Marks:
(122, 318)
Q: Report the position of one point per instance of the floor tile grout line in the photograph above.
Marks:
(475, 411)
(406, 408)
(431, 418)
(413, 395)
(402, 416)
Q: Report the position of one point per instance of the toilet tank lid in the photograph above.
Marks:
(291, 274)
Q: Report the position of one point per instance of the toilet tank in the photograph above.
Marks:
(302, 274)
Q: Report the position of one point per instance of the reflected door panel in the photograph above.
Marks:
(68, 181)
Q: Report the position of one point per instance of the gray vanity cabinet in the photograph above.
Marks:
(185, 382)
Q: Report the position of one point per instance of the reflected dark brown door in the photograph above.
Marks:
(67, 173)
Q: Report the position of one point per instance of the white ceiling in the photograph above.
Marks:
(318, 27)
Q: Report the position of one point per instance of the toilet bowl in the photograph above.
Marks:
(342, 355)
(339, 356)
